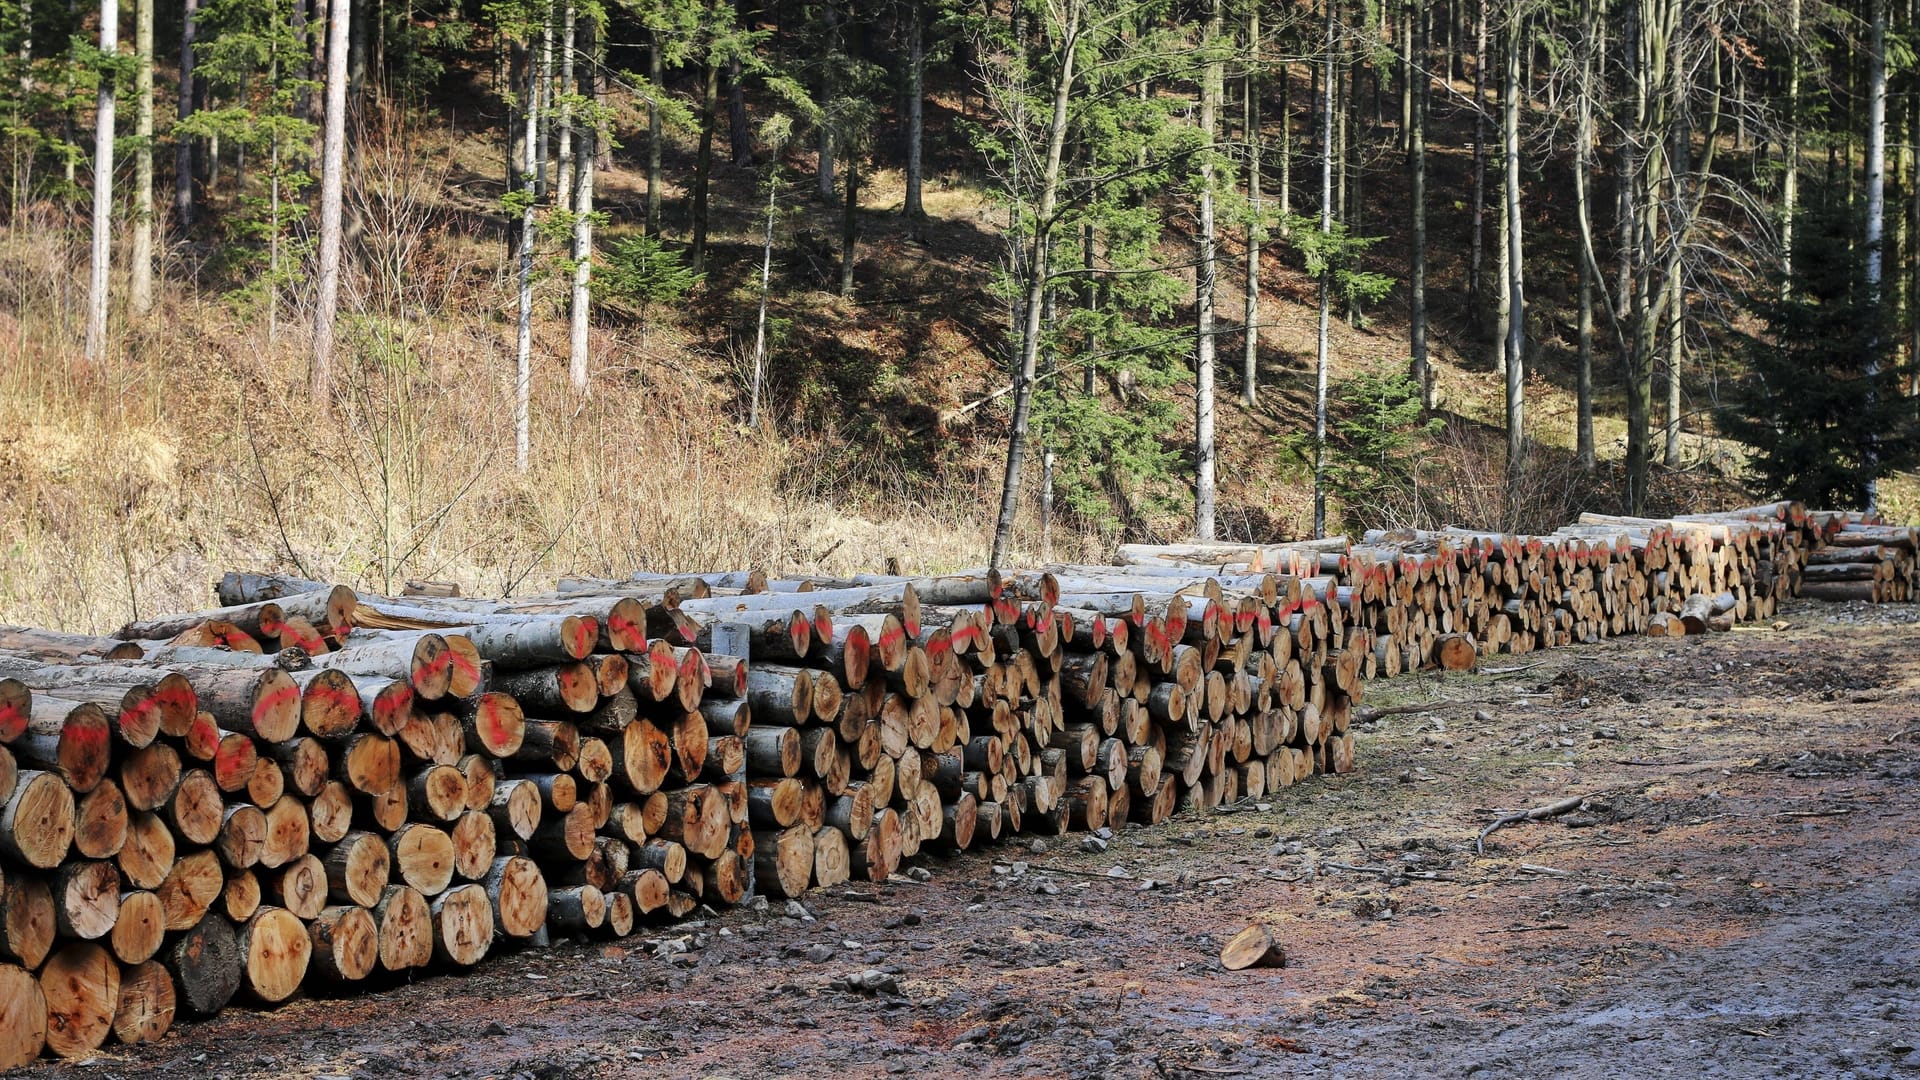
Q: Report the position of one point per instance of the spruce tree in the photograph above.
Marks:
(1823, 417)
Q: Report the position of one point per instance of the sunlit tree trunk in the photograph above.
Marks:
(140, 285)
(102, 262)
(333, 157)
(1207, 265)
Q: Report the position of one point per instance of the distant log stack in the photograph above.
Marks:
(309, 786)
(1860, 557)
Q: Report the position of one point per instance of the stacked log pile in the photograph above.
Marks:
(312, 787)
(1860, 557)
(309, 786)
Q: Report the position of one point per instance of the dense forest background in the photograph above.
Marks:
(375, 290)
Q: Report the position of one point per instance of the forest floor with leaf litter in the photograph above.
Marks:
(1739, 896)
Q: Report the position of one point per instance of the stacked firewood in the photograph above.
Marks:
(309, 786)
(1860, 557)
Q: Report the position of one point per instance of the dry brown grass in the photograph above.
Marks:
(126, 489)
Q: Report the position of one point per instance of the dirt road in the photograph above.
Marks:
(1739, 897)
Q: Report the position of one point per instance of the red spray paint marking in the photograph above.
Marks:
(85, 738)
(179, 697)
(463, 665)
(237, 640)
(1262, 620)
(130, 718)
(1005, 611)
(823, 630)
(13, 723)
(312, 643)
(286, 695)
(891, 637)
(584, 634)
(620, 628)
(437, 666)
(336, 698)
(1157, 633)
(938, 644)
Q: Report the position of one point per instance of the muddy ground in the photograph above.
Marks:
(1740, 897)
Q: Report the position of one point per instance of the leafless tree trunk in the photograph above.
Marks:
(583, 153)
(1516, 263)
(1876, 203)
(140, 288)
(1036, 280)
(654, 133)
(911, 207)
(102, 264)
(1256, 228)
(1204, 281)
(849, 226)
(1476, 257)
(766, 282)
(563, 176)
(183, 148)
(333, 160)
(1326, 295)
(523, 370)
(1416, 116)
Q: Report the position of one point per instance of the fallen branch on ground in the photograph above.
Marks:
(1537, 813)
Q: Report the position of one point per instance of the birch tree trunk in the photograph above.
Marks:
(542, 104)
(333, 158)
(581, 182)
(523, 369)
(102, 262)
(1204, 282)
(564, 174)
(140, 287)
(1790, 181)
(1516, 263)
(766, 281)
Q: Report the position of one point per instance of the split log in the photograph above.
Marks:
(345, 943)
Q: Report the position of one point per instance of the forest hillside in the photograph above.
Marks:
(379, 291)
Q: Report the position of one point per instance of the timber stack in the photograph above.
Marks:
(1860, 557)
(309, 786)
(313, 787)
